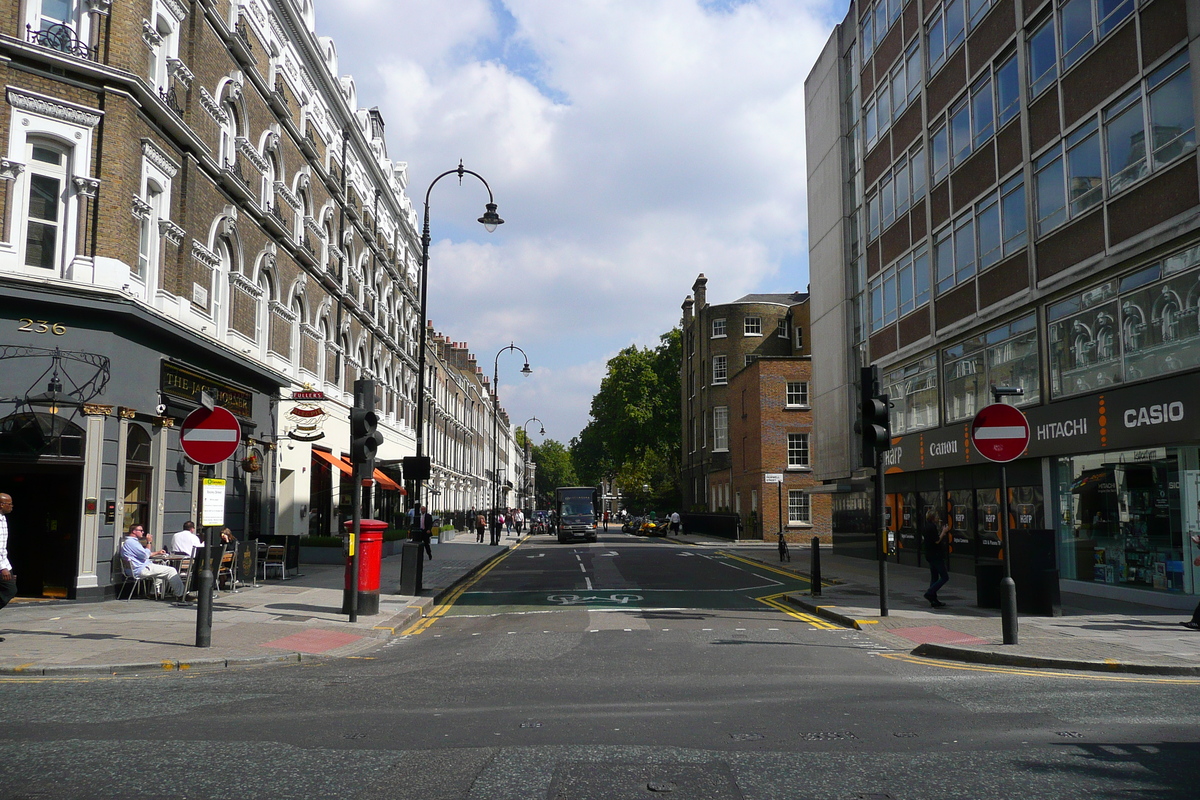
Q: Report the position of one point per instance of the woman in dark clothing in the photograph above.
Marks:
(936, 538)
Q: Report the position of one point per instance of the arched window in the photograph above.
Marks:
(230, 129)
(138, 474)
(270, 175)
(263, 313)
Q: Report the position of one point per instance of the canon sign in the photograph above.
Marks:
(1154, 415)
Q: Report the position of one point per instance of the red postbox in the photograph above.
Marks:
(370, 559)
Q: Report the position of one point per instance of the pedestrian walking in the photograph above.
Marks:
(1194, 622)
(675, 519)
(424, 530)
(8, 581)
(936, 537)
(480, 524)
(784, 555)
(497, 525)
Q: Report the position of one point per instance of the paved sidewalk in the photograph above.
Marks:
(1092, 633)
(288, 620)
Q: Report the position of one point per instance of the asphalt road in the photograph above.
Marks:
(629, 668)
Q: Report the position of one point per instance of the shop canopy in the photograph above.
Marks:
(333, 461)
(383, 480)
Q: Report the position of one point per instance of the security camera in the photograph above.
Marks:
(161, 409)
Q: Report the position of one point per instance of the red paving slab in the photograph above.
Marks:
(316, 641)
(936, 634)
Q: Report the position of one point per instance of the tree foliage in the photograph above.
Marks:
(554, 468)
(633, 436)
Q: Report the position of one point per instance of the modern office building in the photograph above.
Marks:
(1009, 197)
(742, 420)
(192, 201)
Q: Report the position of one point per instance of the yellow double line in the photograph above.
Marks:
(440, 610)
(777, 602)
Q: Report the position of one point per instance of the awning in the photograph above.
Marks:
(387, 483)
(383, 480)
(337, 462)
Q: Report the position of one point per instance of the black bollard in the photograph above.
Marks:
(815, 568)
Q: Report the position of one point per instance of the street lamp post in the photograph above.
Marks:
(525, 370)
(490, 220)
(529, 489)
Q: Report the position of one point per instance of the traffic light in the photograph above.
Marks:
(365, 437)
(875, 424)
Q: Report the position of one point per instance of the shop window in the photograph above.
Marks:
(1121, 520)
(137, 477)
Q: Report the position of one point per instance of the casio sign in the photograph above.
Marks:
(1153, 415)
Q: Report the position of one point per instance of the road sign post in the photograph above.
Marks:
(209, 435)
(1000, 433)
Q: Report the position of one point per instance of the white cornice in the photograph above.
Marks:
(46, 106)
(152, 153)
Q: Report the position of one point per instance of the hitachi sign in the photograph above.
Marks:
(1153, 415)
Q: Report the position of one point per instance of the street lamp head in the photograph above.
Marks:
(490, 218)
(525, 370)
(543, 432)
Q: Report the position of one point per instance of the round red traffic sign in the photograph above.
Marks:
(210, 437)
(1000, 432)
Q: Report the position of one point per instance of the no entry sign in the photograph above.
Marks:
(1000, 432)
(210, 437)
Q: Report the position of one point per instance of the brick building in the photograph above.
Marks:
(192, 200)
(1010, 197)
(725, 454)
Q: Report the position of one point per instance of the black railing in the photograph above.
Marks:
(277, 213)
(169, 97)
(243, 34)
(234, 168)
(308, 245)
(61, 38)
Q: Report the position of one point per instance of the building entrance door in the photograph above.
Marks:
(43, 539)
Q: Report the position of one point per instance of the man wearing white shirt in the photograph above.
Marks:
(186, 541)
(138, 557)
(8, 581)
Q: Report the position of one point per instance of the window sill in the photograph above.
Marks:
(797, 408)
(719, 336)
(752, 335)
(799, 525)
(798, 469)
(720, 383)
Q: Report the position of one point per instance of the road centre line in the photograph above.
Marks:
(583, 569)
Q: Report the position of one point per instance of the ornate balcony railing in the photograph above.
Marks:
(234, 168)
(243, 34)
(61, 38)
(169, 97)
(308, 245)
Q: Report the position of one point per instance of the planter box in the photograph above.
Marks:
(322, 555)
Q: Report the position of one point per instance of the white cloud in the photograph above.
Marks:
(630, 144)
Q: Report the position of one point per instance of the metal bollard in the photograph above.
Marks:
(815, 568)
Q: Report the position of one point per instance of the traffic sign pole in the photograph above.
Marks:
(1001, 434)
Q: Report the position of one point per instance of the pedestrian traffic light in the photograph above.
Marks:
(874, 426)
(365, 437)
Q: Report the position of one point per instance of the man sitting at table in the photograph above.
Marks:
(138, 558)
(186, 541)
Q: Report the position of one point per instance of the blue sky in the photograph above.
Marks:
(630, 145)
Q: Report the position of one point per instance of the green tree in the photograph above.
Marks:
(554, 468)
(633, 435)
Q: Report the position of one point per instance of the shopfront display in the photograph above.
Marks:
(1121, 520)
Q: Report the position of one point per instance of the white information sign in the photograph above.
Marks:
(773, 477)
(212, 503)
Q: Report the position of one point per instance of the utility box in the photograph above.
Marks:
(412, 568)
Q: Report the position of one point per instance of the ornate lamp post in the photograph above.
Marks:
(490, 220)
(529, 488)
(526, 371)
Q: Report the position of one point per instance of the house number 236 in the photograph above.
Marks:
(41, 326)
